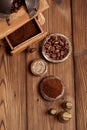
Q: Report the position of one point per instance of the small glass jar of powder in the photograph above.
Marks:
(39, 67)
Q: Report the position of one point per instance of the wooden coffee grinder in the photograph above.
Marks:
(23, 30)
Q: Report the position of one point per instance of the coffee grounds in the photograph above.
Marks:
(52, 87)
(24, 33)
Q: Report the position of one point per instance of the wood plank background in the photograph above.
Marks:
(79, 15)
(56, 21)
(12, 91)
(21, 107)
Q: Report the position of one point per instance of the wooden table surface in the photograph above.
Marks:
(21, 107)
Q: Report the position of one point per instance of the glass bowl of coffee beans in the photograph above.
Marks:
(56, 48)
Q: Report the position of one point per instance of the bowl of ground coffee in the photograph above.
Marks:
(51, 88)
(56, 48)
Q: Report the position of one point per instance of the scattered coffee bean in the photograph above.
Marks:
(16, 5)
(67, 105)
(31, 49)
(64, 116)
(52, 112)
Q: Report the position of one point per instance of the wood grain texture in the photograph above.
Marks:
(79, 15)
(81, 91)
(21, 106)
(18, 19)
(58, 19)
(12, 91)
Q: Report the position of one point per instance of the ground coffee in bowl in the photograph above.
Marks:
(51, 88)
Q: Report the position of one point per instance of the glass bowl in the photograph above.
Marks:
(47, 57)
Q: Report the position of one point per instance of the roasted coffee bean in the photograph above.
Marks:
(53, 37)
(62, 43)
(66, 43)
(54, 56)
(50, 40)
(62, 53)
(66, 51)
(56, 51)
(59, 54)
(47, 46)
(52, 49)
(62, 39)
(48, 54)
(58, 47)
(48, 43)
(47, 51)
(61, 57)
(52, 43)
(63, 48)
(56, 42)
(67, 46)
(16, 5)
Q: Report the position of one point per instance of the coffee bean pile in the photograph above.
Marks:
(56, 47)
(16, 5)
